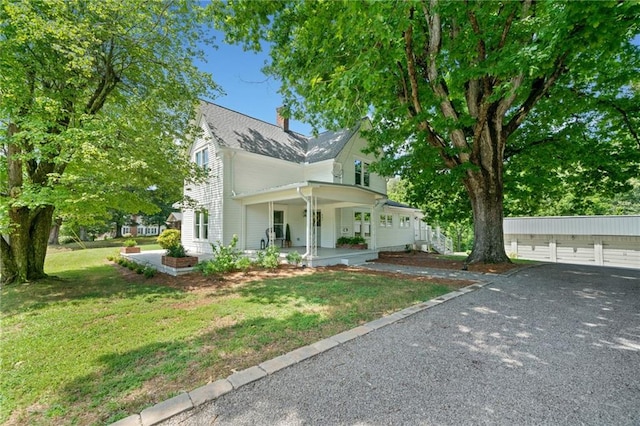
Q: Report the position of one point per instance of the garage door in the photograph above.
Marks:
(621, 252)
(536, 248)
(575, 250)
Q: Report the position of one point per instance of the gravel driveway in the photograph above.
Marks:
(553, 344)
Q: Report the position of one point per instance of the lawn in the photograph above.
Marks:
(91, 345)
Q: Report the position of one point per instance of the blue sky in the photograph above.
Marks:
(247, 89)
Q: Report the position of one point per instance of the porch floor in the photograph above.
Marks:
(324, 257)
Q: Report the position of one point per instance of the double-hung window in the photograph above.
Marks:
(361, 173)
(201, 225)
(386, 220)
(405, 222)
(202, 158)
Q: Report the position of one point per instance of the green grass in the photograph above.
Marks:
(89, 347)
(148, 243)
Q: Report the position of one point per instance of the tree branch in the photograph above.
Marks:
(539, 88)
(511, 151)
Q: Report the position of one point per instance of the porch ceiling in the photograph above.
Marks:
(325, 193)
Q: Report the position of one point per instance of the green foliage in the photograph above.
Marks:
(66, 239)
(269, 258)
(531, 99)
(357, 239)
(169, 240)
(94, 97)
(147, 271)
(129, 243)
(294, 258)
(244, 263)
(224, 260)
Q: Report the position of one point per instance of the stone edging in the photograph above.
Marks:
(190, 400)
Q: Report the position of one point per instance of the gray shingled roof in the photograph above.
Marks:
(392, 203)
(232, 129)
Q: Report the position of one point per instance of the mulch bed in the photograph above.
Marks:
(432, 260)
(196, 282)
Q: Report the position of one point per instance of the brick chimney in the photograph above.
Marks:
(281, 121)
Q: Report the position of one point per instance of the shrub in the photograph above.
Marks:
(224, 259)
(351, 240)
(269, 258)
(149, 272)
(244, 264)
(66, 239)
(170, 241)
(129, 243)
(294, 258)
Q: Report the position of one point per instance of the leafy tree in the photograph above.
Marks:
(455, 89)
(93, 97)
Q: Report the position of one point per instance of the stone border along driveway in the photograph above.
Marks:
(187, 401)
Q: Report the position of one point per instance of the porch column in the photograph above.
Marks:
(270, 223)
(373, 223)
(309, 227)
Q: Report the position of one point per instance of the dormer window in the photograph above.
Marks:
(362, 173)
(202, 158)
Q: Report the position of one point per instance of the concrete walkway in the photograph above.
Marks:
(552, 344)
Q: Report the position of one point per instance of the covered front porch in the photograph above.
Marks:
(316, 214)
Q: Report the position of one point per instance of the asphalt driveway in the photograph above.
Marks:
(553, 344)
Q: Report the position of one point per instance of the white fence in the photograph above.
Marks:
(588, 240)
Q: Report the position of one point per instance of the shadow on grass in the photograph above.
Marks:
(337, 288)
(89, 283)
(132, 380)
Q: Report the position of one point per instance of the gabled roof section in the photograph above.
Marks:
(328, 145)
(232, 129)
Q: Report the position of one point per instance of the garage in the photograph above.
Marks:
(587, 240)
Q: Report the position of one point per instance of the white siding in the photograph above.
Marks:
(394, 237)
(253, 173)
(321, 171)
(208, 195)
(353, 151)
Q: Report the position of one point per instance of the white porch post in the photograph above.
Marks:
(270, 233)
(373, 226)
(309, 226)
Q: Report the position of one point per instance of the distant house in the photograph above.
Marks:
(264, 177)
(135, 227)
(174, 221)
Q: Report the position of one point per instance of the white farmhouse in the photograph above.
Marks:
(263, 178)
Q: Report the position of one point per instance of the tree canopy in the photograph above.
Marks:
(482, 94)
(95, 99)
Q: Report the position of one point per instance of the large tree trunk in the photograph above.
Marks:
(54, 235)
(24, 249)
(486, 192)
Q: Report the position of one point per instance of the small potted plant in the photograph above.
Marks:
(129, 246)
(175, 257)
(287, 236)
